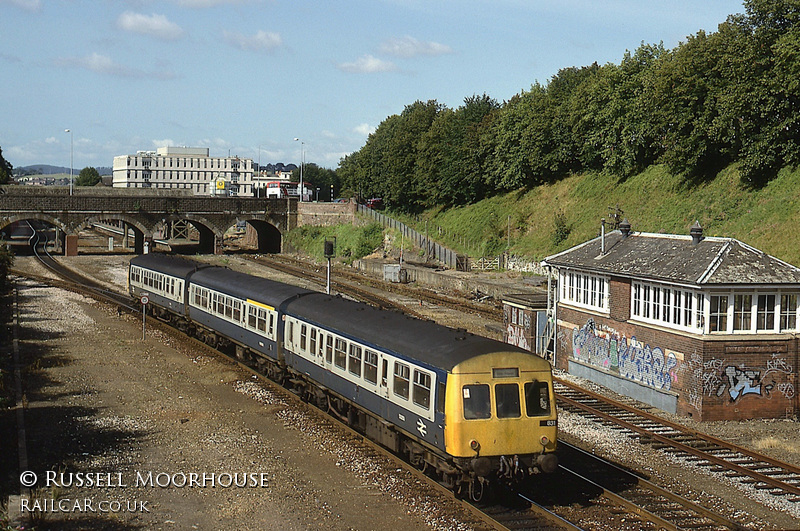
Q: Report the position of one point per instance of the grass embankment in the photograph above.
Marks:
(653, 201)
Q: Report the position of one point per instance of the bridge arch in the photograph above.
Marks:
(211, 235)
(269, 238)
(40, 216)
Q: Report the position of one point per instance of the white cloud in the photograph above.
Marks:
(30, 5)
(102, 64)
(51, 140)
(262, 41)
(367, 64)
(167, 142)
(363, 129)
(410, 47)
(156, 25)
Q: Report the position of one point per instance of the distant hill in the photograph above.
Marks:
(46, 169)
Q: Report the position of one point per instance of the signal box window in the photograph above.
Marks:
(476, 401)
(537, 399)
(507, 400)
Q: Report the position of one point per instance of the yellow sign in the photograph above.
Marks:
(220, 184)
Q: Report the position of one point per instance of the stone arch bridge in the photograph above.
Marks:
(146, 211)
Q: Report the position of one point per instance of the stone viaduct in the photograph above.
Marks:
(146, 212)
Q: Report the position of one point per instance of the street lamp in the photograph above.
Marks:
(70, 159)
(302, 162)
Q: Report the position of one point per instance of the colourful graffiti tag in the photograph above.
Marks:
(634, 361)
(716, 377)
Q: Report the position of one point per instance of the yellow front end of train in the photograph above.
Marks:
(501, 407)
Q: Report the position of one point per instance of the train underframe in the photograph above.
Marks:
(471, 478)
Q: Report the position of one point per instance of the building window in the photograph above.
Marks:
(673, 307)
(588, 291)
(765, 312)
(742, 312)
(788, 312)
(718, 314)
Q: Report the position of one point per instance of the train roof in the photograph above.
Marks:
(171, 265)
(246, 286)
(424, 341)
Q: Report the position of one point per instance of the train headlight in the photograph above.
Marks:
(475, 445)
(544, 440)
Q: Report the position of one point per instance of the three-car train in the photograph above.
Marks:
(467, 409)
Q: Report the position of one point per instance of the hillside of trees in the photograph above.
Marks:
(724, 98)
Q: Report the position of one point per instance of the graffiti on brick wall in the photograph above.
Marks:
(605, 347)
(516, 336)
(718, 378)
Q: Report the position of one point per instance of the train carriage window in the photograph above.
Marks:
(312, 341)
(329, 349)
(354, 362)
(271, 324)
(384, 372)
(507, 400)
(422, 389)
(476, 401)
(252, 320)
(290, 332)
(370, 366)
(537, 399)
(321, 344)
(340, 358)
(303, 336)
(402, 373)
(237, 311)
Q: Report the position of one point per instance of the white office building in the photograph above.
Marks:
(187, 169)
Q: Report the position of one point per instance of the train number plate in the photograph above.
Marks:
(548, 423)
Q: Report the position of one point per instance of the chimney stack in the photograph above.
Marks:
(625, 228)
(696, 232)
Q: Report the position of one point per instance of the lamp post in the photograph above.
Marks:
(70, 159)
(302, 163)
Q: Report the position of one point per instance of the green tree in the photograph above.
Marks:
(5, 169)
(88, 176)
(319, 179)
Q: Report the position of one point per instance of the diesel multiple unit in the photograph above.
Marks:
(467, 409)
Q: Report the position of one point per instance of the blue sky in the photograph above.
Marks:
(246, 77)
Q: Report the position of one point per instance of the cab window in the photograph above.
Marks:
(507, 400)
(537, 399)
(476, 401)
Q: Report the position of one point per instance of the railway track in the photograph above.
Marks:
(643, 500)
(357, 285)
(760, 471)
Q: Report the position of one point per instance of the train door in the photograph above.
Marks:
(383, 386)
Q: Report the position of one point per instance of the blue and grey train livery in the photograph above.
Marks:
(467, 409)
